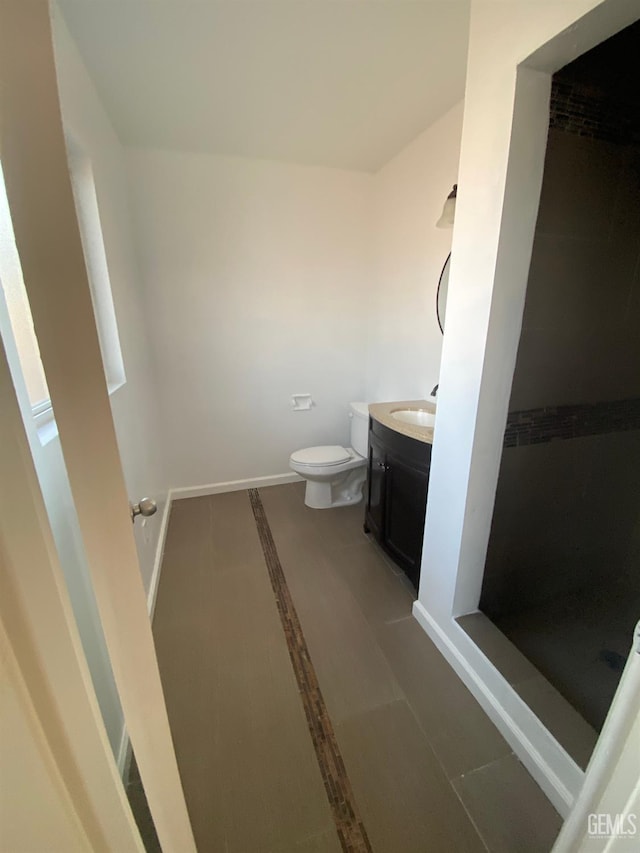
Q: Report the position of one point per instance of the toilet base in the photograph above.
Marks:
(342, 491)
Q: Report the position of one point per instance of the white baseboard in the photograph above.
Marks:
(157, 562)
(234, 486)
(526, 735)
(199, 491)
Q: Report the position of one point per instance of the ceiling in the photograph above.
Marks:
(340, 83)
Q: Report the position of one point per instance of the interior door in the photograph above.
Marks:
(48, 240)
(65, 792)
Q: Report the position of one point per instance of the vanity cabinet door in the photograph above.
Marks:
(397, 495)
(406, 488)
(376, 488)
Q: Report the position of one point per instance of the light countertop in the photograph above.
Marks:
(381, 412)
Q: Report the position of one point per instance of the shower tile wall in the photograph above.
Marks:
(579, 341)
(567, 512)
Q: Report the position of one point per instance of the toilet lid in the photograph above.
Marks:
(331, 454)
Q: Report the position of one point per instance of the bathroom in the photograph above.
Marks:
(258, 277)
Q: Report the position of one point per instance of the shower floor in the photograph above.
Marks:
(580, 643)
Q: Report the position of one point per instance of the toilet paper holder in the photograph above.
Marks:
(301, 402)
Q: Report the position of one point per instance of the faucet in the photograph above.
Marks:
(435, 390)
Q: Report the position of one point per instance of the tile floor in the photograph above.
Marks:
(428, 770)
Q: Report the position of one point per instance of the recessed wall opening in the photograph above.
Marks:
(562, 577)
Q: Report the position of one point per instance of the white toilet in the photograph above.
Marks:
(334, 474)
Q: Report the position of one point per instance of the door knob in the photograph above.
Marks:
(146, 507)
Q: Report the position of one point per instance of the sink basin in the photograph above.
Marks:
(418, 417)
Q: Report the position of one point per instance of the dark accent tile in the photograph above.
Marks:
(584, 110)
(539, 426)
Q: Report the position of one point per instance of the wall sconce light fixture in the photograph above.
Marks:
(449, 210)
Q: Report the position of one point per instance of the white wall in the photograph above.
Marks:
(134, 405)
(36, 812)
(257, 278)
(405, 342)
(266, 279)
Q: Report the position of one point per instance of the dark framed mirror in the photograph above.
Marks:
(441, 294)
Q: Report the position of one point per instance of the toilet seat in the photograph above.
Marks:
(332, 454)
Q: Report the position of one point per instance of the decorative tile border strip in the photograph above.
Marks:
(351, 831)
(538, 426)
(584, 110)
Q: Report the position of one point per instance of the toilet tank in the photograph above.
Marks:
(359, 415)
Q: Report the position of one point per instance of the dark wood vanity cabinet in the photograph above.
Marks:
(396, 495)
